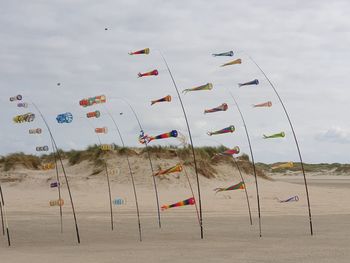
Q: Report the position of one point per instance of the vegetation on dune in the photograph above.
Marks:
(157, 151)
(95, 155)
(343, 168)
(309, 167)
(206, 156)
(205, 152)
(92, 153)
(247, 167)
(28, 161)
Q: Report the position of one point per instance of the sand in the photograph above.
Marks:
(228, 236)
(285, 239)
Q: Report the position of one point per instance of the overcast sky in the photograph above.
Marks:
(303, 46)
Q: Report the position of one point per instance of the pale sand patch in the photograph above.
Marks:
(227, 239)
(35, 233)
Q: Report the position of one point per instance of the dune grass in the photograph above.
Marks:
(206, 157)
(28, 161)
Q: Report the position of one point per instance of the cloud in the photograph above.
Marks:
(45, 42)
(334, 134)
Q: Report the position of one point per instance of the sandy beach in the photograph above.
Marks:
(174, 131)
(228, 236)
(227, 239)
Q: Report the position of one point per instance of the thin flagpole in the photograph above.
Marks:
(189, 183)
(240, 173)
(110, 196)
(295, 139)
(2, 220)
(6, 224)
(64, 171)
(58, 183)
(149, 158)
(245, 189)
(193, 153)
(131, 175)
(108, 181)
(253, 162)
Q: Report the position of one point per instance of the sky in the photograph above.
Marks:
(303, 47)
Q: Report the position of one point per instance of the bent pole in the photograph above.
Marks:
(5, 216)
(149, 158)
(131, 174)
(192, 147)
(241, 175)
(64, 172)
(2, 220)
(245, 189)
(108, 181)
(295, 140)
(58, 184)
(253, 162)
